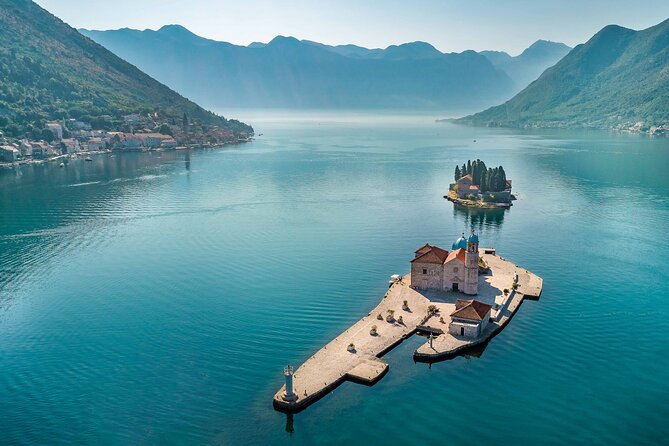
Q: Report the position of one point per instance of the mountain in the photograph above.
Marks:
(48, 70)
(619, 76)
(287, 72)
(528, 65)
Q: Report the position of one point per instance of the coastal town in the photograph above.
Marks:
(457, 299)
(71, 138)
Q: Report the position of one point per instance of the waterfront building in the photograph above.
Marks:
(469, 318)
(9, 154)
(465, 186)
(56, 129)
(434, 268)
(70, 145)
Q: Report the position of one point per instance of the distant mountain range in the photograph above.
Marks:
(48, 70)
(290, 73)
(620, 76)
(529, 65)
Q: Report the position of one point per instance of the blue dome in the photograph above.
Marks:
(473, 238)
(460, 243)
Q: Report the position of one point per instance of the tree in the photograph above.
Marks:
(47, 135)
(184, 121)
(165, 130)
(457, 173)
(469, 167)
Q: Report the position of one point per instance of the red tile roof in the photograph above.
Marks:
(423, 249)
(433, 254)
(457, 254)
(467, 179)
(472, 310)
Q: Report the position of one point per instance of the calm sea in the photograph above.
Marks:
(155, 298)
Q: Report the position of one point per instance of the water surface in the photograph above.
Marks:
(155, 298)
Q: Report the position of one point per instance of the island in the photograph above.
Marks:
(479, 186)
(459, 299)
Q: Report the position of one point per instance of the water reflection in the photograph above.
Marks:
(290, 428)
(476, 218)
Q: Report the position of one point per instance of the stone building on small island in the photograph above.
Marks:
(434, 268)
(469, 318)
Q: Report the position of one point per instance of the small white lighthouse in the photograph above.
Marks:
(289, 394)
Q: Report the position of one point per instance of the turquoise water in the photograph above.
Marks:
(154, 298)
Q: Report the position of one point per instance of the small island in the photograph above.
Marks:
(479, 186)
(458, 299)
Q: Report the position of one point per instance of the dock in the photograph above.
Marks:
(355, 355)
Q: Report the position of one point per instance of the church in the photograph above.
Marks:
(434, 268)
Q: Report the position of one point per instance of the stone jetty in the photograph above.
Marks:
(355, 355)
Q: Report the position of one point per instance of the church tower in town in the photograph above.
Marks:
(472, 265)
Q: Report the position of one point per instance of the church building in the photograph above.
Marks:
(434, 268)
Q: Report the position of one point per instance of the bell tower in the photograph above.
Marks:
(472, 265)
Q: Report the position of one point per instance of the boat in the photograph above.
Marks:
(61, 165)
(88, 158)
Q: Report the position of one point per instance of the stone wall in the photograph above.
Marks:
(432, 279)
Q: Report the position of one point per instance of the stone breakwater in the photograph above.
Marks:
(355, 355)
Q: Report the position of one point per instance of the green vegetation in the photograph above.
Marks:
(488, 179)
(617, 78)
(48, 71)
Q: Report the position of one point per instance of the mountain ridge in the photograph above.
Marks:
(618, 77)
(314, 75)
(48, 70)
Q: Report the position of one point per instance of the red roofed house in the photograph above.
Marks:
(434, 268)
(469, 318)
(466, 186)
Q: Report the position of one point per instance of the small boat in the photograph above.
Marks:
(61, 165)
(88, 158)
(474, 140)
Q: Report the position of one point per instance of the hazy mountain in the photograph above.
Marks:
(528, 65)
(49, 70)
(287, 72)
(618, 76)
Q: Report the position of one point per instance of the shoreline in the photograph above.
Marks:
(476, 204)
(31, 161)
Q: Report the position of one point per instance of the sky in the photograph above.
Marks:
(449, 25)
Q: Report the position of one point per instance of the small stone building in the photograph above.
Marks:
(469, 319)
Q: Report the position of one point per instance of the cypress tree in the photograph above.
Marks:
(463, 171)
(469, 167)
(457, 173)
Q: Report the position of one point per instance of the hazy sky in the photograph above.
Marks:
(450, 25)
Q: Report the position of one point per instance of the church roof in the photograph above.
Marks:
(432, 254)
(458, 254)
(472, 310)
(466, 180)
(423, 249)
(461, 242)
